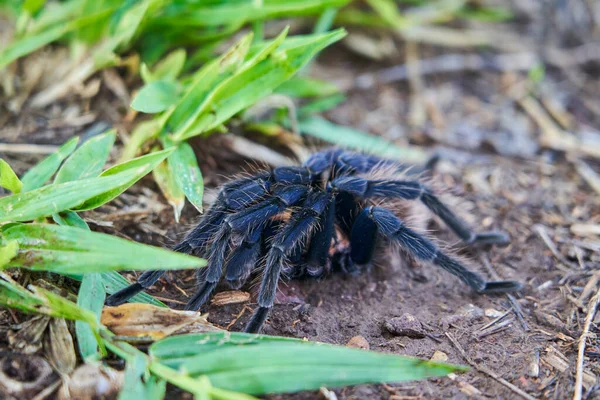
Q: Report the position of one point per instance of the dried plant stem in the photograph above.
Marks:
(592, 308)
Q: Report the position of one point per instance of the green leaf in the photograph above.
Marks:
(142, 132)
(156, 96)
(187, 174)
(245, 88)
(8, 251)
(167, 69)
(40, 301)
(307, 87)
(40, 173)
(91, 297)
(203, 82)
(70, 218)
(354, 139)
(261, 365)
(8, 179)
(81, 195)
(68, 250)
(87, 161)
(30, 43)
(164, 178)
(134, 169)
(138, 383)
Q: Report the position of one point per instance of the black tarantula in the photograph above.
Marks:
(306, 220)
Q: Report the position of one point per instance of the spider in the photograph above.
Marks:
(306, 220)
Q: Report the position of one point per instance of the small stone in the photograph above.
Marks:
(358, 342)
(439, 356)
(405, 325)
(448, 320)
(492, 313)
(470, 312)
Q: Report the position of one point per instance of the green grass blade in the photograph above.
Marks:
(176, 349)
(247, 87)
(167, 69)
(70, 218)
(8, 251)
(164, 178)
(68, 250)
(204, 82)
(87, 161)
(307, 87)
(134, 169)
(138, 384)
(8, 179)
(260, 364)
(187, 174)
(156, 96)
(90, 297)
(84, 194)
(40, 301)
(357, 140)
(40, 173)
(28, 44)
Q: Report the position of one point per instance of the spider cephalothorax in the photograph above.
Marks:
(303, 221)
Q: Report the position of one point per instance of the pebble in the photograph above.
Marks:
(471, 312)
(358, 342)
(492, 313)
(439, 356)
(405, 325)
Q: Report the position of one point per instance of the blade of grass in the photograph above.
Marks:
(8, 179)
(164, 178)
(78, 195)
(8, 251)
(68, 250)
(245, 88)
(156, 96)
(90, 297)
(261, 364)
(87, 161)
(36, 176)
(187, 174)
(354, 139)
(28, 44)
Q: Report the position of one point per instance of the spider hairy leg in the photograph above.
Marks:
(284, 242)
(241, 222)
(145, 280)
(414, 190)
(318, 251)
(423, 249)
(243, 258)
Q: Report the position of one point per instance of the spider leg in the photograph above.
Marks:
(241, 222)
(234, 195)
(243, 258)
(320, 242)
(423, 249)
(414, 190)
(284, 242)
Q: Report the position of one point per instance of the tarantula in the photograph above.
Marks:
(306, 220)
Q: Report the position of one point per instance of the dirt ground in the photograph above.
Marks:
(495, 170)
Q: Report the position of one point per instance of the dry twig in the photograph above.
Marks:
(592, 308)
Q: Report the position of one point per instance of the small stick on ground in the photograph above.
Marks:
(487, 371)
(516, 307)
(592, 308)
